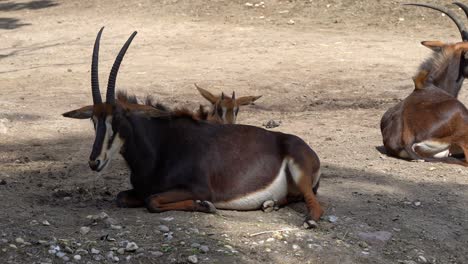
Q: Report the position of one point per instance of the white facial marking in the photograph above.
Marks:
(107, 152)
(277, 190)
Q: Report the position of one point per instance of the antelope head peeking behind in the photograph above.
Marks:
(224, 108)
(176, 161)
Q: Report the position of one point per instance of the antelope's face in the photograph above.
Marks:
(108, 140)
(109, 118)
(225, 109)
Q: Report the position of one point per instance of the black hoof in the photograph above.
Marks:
(206, 206)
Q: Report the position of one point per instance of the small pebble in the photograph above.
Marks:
(65, 258)
(60, 254)
(94, 251)
(270, 239)
(13, 246)
(77, 257)
(45, 223)
(156, 254)
(296, 247)
(192, 259)
(195, 245)
(121, 251)
(422, 259)
(163, 228)
(332, 218)
(131, 247)
(204, 249)
(19, 240)
(84, 230)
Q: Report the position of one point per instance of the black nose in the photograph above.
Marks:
(94, 164)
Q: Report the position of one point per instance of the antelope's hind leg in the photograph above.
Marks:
(306, 180)
(177, 201)
(129, 199)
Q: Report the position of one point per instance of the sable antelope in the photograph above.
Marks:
(180, 163)
(445, 71)
(224, 109)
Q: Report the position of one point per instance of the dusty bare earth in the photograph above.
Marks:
(326, 69)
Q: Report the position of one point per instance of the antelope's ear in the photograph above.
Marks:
(245, 100)
(434, 45)
(81, 113)
(207, 95)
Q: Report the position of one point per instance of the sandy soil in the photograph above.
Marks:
(326, 69)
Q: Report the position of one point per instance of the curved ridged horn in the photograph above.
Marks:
(94, 70)
(463, 7)
(450, 14)
(110, 96)
(233, 95)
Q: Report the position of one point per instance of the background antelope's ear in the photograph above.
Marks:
(434, 45)
(245, 100)
(207, 95)
(81, 113)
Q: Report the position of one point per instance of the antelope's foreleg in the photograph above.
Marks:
(129, 199)
(177, 201)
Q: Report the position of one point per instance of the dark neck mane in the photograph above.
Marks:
(181, 112)
(439, 74)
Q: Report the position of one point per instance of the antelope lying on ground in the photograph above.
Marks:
(224, 109)
(430, 124)
(180, 163)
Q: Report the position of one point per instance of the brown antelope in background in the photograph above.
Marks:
(431, 124)
(179, 163)
(224, 109)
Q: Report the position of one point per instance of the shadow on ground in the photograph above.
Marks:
(40, 174)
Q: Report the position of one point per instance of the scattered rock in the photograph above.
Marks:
(121, 251)
(270, 240)
(272, 124)
(45, 223)
(417, 203)
(332, 218)
(109, 222)
(163, 228)
(84, 230)
(363, 244)
(116, 227)
(66, 258)
(249, 4)
(296, 247)
(156, 254)
(60, 254)
(167, 219)
(422, 259)
(192, 259)
(131, 247)
(204, 249)
(19, 240)
(95, 251)
(291, 22)
(68, 250)
(195, 245)
(375, 237)
(77, 257)
(13, 246)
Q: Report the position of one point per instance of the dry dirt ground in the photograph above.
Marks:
(326, 69)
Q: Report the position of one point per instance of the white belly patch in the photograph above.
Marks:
(277, 190)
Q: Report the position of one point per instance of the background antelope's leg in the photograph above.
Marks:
(177, 201)
(129, 199)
